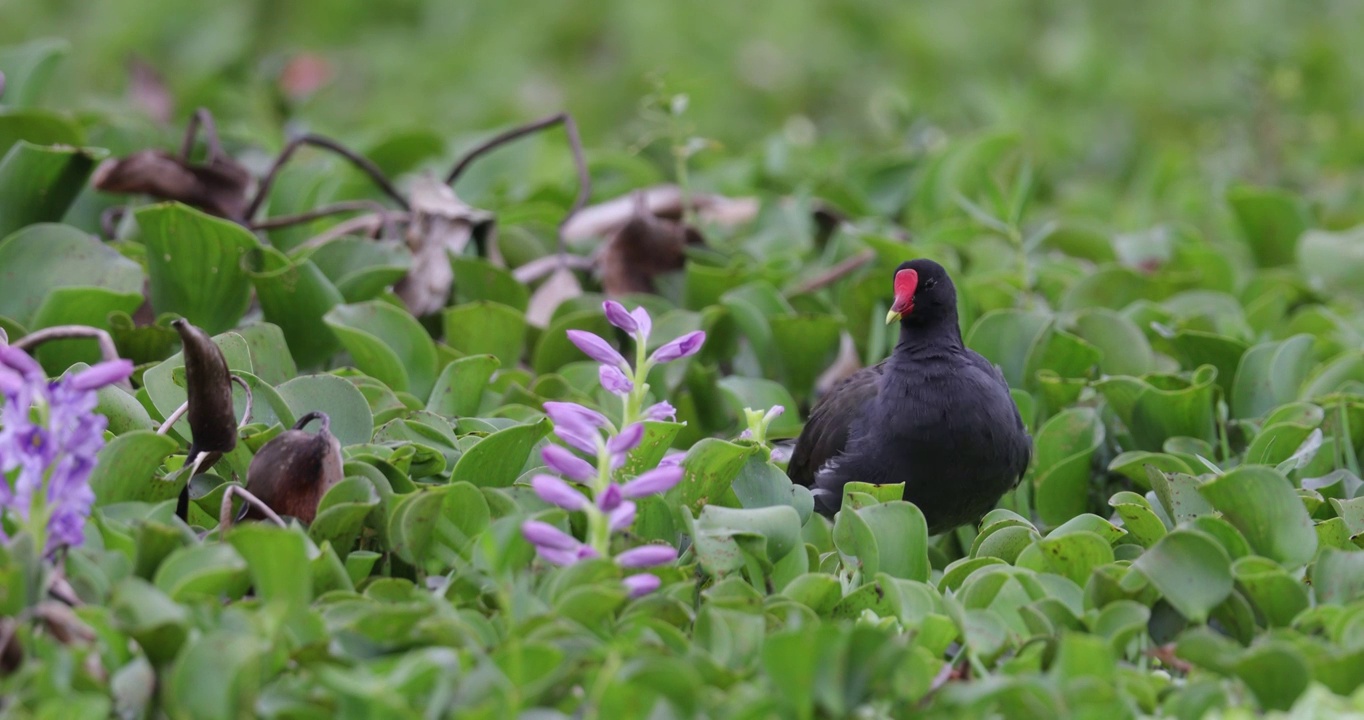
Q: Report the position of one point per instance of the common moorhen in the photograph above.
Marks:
(935, 416)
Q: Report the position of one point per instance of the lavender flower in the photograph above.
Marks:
(596, 348)
(50, 435)
(614, 380)
(567, 464)
(654, 482)
(641, 584)
(647, 556)
(660, 411)
(687, 345)
(617, 315)
(557, 492)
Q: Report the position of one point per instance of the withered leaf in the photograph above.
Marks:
(208, 387)
(440, 225)
(645, 246)
(218, 187)
(292, 472)
(665, 201)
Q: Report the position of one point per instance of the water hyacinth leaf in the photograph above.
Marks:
(1269, 375)
(434, 527)
(89, 306)
(1178, 494)
(1191, 571)
(458, 391)
(749, 392)
(554, 350)
(1261, 503)
(359, 268)
(1006, 338)
(274, 556)
(295, 295)
(43, 257)
(1125, 349)
(203, 571)
(724, 537)
(1065, 451)
(818, 591)
(126, 469)
(1271, 221)
(1204, 348)
(486, 328)
(1138, 518)
(1332, 261)
(1158, 407)
(805, 345)
(217, 677)
(197, 265)
(1276, 595)
(342, 512)
(123, 411)
(351, 420)
(658, 439)
(1338, 576)
(762, 484)
(28, 68)
(1278, 443)
(158, 624)
(386, 343)
(498, 459)
(1132, 465)
(38, 183)
(711, 466)
(477, 279)
(1275, 672)
(1075, 555)
(900, 534)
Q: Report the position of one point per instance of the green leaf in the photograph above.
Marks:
(805, 345)
(1065, 450)
(1006, 338)
(554, 350)
(434, 527)
(210, 571)
(1261, 503)
(1269, 376)
(762, 394)
(1278, 596)
(218, 677)
(486, 328)
(351, 421)
(386, 343)
(1271, 221)
(458, 391)
(1191, 570)
(1138, 518)
(158, 624)
(197, 265)
(38, 184)
(710, 465)
(1338, 577)
(89, 306)
(1333, 261)
(1276, 672)
(361, 269)
(724, 537)
(295, 295)
(818, 591)
(342, 512)
(1158, 407)
(477, 279)
(1075, 555)
(126, 469)
(275, 557)
(39, 259)
(890, 538)
(498, 459)
(1125, 349)
(29, 67)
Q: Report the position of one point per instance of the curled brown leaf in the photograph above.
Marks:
(218, 187)
(292, 472)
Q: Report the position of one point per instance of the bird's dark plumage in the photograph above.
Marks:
(935, 415)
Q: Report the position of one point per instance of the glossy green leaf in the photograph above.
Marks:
(386, 343)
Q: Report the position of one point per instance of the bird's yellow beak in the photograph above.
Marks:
(893, 317)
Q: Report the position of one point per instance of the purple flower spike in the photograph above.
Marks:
(655, 482)
(614, 380)
(596, 348)
(641, 584)
(685, 346)
(673, 459)
(557, 492)
(622, 517)
(617, 315)
(647, 556)
(645, 323)
(563, 413)
(544, 535)
(660, 411)
(567, 464)
(627, 440)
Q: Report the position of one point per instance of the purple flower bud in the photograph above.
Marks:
(565, 463)
(627, 440)
(687, 345)
(617, 315)
(557, 492)
(641, 584)
(660, 411)
(645, 323)
(655, 482)
(773, 414)
(544, 535)
(596, 348)
(21, 362)
(614, 380)
(647, 556)
(673, 459)
(622, 517)
(610, 498)
(555, 556)
(563, 413)
(101, 374)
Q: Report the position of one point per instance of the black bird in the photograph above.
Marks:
(935, 416)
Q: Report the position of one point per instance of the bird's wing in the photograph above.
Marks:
(1024, 457)
(826, 434)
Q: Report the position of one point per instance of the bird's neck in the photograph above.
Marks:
(940, 334)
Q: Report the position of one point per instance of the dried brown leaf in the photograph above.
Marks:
(218, 187)
(440, 225)
(665, 201)
(645, 246)
(842, 367)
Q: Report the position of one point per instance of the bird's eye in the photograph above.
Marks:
(929, 283)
